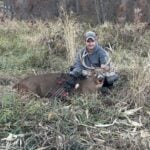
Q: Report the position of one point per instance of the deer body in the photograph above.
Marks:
(42, 84)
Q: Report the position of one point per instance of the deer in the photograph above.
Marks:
(42, 84)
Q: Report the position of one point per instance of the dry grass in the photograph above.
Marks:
(70, 29)
(119, 120)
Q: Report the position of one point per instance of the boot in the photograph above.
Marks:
(70, 83)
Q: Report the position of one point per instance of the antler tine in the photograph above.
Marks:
(108, 62)
(110, 48)
(100, 69)
(83, 63)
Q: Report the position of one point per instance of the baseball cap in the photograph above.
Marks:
(90, 35)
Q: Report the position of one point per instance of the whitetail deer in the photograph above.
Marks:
(51, 82)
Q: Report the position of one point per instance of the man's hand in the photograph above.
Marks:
(105, 67)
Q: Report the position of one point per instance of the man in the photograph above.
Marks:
(94, 56)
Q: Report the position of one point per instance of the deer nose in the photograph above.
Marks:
(100, 78)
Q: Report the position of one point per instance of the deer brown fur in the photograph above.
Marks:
(42, 84)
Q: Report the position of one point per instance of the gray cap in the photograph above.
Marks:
(90, 35)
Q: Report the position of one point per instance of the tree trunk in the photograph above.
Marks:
(97, 10)
(77, 6)
(102, 11)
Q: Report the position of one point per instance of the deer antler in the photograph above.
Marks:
(83, 62)
(91, 68)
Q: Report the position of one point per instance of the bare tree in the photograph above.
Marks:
(77, 6)
(97, 10)
(102, 11)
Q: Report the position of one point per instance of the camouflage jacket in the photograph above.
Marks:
(95, 59)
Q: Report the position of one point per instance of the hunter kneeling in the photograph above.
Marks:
(91, 58)
(90, 72)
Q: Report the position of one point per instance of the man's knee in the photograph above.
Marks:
(109, 80)
(106, 84)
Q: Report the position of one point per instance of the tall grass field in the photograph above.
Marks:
(119, 120)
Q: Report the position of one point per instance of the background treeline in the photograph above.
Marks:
(97, 11)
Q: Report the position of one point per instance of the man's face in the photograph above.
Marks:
(90, 44)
